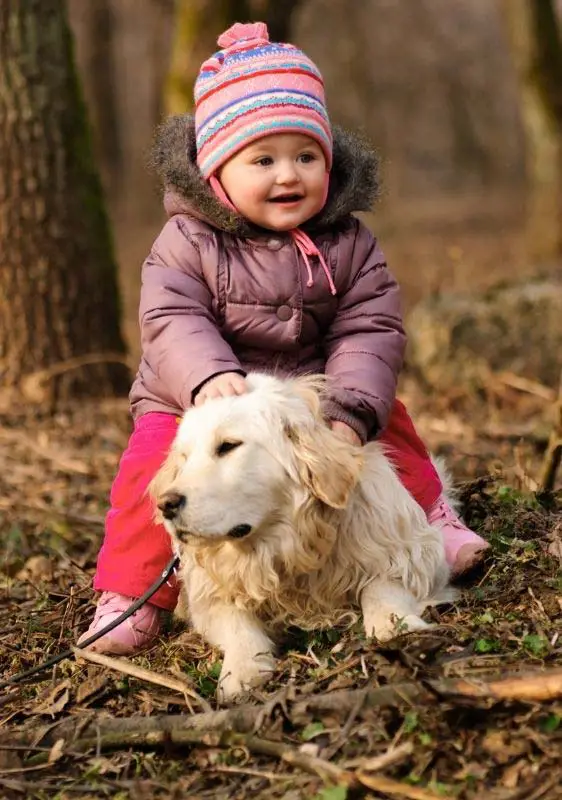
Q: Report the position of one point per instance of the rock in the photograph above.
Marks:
(456, 339)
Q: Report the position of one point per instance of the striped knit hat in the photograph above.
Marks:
(252, 88)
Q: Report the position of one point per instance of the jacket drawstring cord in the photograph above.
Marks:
(306, 248)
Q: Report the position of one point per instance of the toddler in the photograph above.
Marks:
(260, 266)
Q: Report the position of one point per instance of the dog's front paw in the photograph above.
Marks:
(240, 673)
(385, 627)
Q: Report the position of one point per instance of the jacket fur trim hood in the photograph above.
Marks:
(353, 180)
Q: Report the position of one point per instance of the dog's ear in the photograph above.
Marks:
(327, 465)
(164, 478)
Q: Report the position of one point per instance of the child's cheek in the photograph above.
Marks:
(250, 199)
(255, 194)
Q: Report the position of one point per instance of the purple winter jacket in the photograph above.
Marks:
(221, 295)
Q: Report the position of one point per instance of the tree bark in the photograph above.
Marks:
(533, 32)
(58, 279)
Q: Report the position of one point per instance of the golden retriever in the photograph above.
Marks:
(279, 521)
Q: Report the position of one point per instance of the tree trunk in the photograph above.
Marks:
(58, 282)
(536, 45)
(198, 24)
(93, 26)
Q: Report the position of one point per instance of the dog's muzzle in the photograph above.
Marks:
(239, 531)
(171, 504)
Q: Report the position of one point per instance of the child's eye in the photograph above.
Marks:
(307, 158)
(264, 161)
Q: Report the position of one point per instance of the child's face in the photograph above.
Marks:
(277, 182)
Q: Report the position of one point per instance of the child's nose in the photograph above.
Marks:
(287, 173)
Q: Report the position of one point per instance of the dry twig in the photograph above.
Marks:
(396, 789)
(128, 668)
(526, 385)
(325, 770)
(535, 687)
(394, 755)
(33, 385)
(332, 749)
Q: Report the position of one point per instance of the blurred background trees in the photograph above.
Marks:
(58, 279)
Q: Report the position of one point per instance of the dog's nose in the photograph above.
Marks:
(171, 503)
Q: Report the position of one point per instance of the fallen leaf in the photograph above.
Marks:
(56, 751)
(91, 687)
(554, 549)
(502, 748)
(55, 701)
(512, 774)
(472, 769)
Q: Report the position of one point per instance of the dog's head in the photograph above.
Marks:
(240, 464)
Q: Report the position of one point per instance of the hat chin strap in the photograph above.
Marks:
(221, 195)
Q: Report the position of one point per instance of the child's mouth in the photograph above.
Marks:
(286, 198)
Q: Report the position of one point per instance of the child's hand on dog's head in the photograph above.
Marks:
(225, 385)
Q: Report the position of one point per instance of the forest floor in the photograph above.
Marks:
(418, 718)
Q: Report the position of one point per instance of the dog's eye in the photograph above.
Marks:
(225, 447)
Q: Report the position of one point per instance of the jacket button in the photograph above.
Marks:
(275, 244)
(284, 313)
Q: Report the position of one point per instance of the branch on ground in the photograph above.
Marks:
(105, 733)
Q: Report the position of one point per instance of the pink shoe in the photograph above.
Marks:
(132, 635)
(464, 549)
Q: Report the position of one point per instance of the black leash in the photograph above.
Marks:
(20, 676)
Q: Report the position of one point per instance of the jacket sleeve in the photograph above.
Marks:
(179, 334)
(365, 344)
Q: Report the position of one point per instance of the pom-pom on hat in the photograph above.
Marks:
(252, 88)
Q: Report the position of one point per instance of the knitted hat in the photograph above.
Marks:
(252, 88)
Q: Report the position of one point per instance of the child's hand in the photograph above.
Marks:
(345, 432)
(225, 385)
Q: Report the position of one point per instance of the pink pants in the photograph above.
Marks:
(135, 549)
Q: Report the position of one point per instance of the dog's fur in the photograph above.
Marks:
(332, 528)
